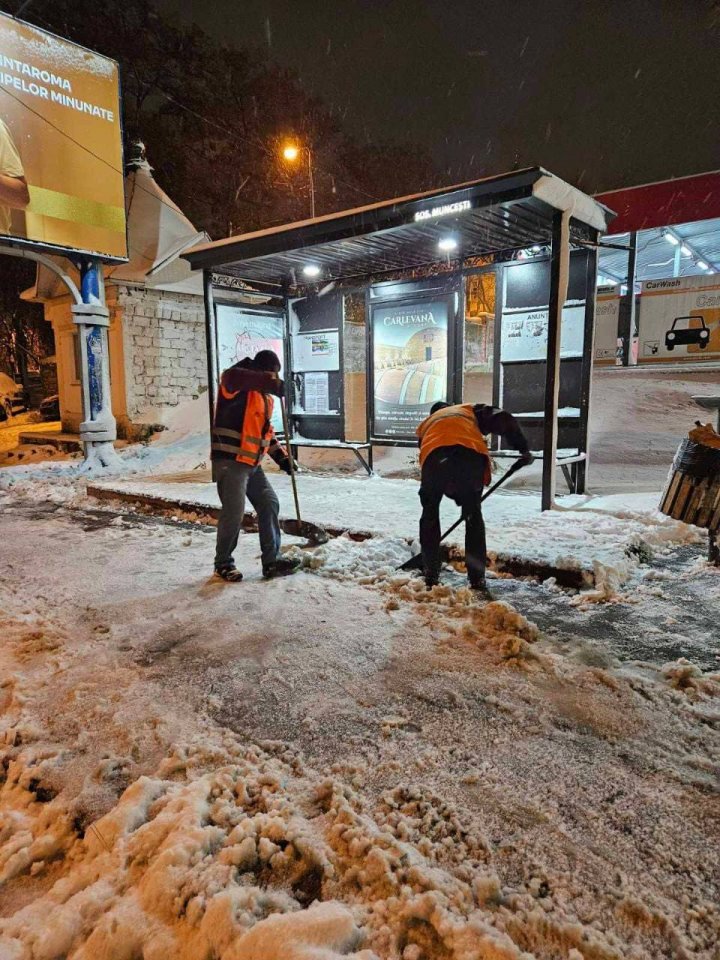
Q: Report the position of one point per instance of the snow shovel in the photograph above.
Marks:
(415, 563)
(313, 533)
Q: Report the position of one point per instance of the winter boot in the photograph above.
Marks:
(231, 574)
(479, 586)
(432, 578)
(281, 567)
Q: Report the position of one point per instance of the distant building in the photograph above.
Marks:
(157, 326)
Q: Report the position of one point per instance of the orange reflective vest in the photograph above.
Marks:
(451, 427)
(242, 429)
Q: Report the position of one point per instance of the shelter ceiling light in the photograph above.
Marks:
(311, 270)
(702, 265)
(671, 238)
(685, 251)
(447, 244)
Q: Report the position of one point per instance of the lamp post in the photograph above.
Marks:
(291, 153)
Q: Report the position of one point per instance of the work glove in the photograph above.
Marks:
(284, 465)
(526, 458)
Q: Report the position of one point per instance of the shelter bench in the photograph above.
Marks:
(568, 465)
(356, 447)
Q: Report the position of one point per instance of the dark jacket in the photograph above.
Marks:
(241, 427)
(501, 424)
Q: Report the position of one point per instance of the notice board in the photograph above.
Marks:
(520, 368)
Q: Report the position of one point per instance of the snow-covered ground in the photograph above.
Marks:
(598, 535)
(343, 764)
(322, 767)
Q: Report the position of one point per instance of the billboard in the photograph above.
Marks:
(410, 365)
(61, 168)
(679, 319)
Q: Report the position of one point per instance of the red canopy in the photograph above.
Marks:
(664, 204)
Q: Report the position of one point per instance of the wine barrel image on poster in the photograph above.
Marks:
(417, 384)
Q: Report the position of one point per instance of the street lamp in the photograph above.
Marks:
(291, 153)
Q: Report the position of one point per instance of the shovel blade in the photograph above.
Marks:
(414, 563)
(308, 531)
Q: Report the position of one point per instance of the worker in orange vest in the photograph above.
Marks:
(455, 463)
(242, 433)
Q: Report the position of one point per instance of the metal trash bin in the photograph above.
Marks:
(692, 492)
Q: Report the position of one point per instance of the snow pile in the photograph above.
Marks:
(689, 678)
(229, 853)
(369, 561)
(494, 626)
(207, 858)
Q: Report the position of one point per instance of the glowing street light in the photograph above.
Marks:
(291, 153)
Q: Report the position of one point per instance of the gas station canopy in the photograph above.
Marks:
(676, 225)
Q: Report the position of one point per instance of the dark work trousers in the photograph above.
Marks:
(236, 481)
(456, 472)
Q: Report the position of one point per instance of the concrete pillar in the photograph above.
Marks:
(98, 429)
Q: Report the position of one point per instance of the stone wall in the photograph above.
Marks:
(164, 349)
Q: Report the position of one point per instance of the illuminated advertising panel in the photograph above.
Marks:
(61, 166)
(410, 365)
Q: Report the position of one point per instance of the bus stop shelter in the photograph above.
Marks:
(410, 258)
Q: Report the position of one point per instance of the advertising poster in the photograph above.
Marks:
(410, 358)
(524, 334)
(679, 319)
(242, 334)
(60, 144)
(607, 310)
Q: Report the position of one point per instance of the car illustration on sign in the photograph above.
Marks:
(685, 334)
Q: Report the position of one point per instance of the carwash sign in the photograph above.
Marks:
(60, 144)
(443, 210)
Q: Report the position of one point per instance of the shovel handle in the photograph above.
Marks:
(513, 469)
(291, 461)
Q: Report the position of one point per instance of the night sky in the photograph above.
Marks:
(605, 93)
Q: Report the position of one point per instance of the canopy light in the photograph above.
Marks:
(447, 243)
(671, 238)
(685, 251)
(311, 270)
(702, 265)
(535, 249)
